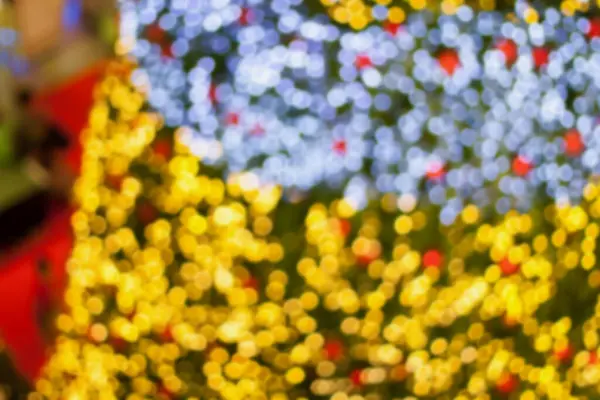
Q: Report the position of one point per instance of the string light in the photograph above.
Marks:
(220, 294)
(395, 107)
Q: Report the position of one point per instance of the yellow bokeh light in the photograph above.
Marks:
(187, 286)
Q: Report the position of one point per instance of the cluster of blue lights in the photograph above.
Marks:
(452, 109)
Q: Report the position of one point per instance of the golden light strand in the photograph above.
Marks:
(182, 285)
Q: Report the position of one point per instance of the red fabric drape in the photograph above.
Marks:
(18, 322)
(24, 292)
(68, 105)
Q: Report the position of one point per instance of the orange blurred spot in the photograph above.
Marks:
(540, 56)
(507, 383)
(356, 377)
(564, 354)
(509, 49)
(340, 147)
(432, 258)
(435, 171)
(594, 28)
(508, 268)
(163, 148)
(391, 28)
(232, 119)
(333, 350)
(521, 166)
(574, 145)
(363, 61)
(449, 61)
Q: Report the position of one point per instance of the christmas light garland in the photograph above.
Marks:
(185, 286)
(450, 110)
(359, 13)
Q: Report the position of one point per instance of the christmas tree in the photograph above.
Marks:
(192, 278)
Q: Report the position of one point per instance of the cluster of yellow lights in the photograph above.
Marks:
(570, 7)
(358, 13)
(184, 286)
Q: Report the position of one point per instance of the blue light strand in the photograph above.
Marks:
(453, 109)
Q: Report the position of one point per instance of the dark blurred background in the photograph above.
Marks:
(51, 55)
